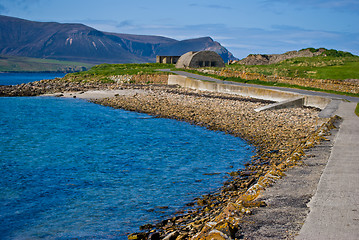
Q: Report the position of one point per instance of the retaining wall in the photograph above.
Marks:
(254, 92)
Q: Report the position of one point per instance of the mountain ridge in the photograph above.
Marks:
(81, 43)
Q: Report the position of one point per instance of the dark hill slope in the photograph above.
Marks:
(78, 42)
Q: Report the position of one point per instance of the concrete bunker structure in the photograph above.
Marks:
(200, 59)
(167, 59)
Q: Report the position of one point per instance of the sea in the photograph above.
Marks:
(72, 169)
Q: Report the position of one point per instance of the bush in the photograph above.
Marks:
(336, 53)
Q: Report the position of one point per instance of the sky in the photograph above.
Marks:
(242, 26)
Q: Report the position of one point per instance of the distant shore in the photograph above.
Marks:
(276, 134)
(35, 72)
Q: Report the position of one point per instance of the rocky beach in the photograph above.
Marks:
(280, 137)
(277, 134)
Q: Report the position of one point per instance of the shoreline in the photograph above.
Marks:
(276, 134)
(270, 154)
(95, 94)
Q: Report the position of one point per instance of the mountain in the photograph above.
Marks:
(80, 43)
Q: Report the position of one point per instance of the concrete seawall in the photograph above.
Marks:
(254, 92)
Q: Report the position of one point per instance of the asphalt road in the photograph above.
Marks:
(334, 209)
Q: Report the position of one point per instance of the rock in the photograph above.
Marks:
(172, 236)
(137, 236)
(154, 236)
(146, 227)
(264, 59)
(215, 234)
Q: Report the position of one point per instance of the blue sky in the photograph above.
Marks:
(243, 27)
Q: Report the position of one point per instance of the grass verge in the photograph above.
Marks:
(357, 110)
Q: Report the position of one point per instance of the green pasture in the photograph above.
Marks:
(330, 66)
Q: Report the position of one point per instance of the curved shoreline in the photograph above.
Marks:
(278, 135)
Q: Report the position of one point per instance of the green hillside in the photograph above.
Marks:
(331, 64)
(25, 64)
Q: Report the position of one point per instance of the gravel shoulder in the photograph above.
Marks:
(287, 199)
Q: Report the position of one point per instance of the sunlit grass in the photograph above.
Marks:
(103, 72)
(124, 69)
(319, 67)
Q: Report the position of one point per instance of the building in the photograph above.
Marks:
(167, 59)
(200, 59)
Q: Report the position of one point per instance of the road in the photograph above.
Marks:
(334, 209)
(293, 90)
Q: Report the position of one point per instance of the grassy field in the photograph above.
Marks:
(124, 69)
(25, 64)
(319, 67)
(102, 72)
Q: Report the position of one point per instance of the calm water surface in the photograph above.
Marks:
(18, 78)
(73, 169)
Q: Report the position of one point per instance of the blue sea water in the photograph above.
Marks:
(18, 78)
(73, 169)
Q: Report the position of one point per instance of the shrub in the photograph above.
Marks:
(336, 53)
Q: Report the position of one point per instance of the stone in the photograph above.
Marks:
(172, 236)
(137, 236)
(218, 235)
(154, 236)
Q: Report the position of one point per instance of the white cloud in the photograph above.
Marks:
(215, 6)
(347, 5)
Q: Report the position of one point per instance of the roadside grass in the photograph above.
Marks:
(357, 110)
